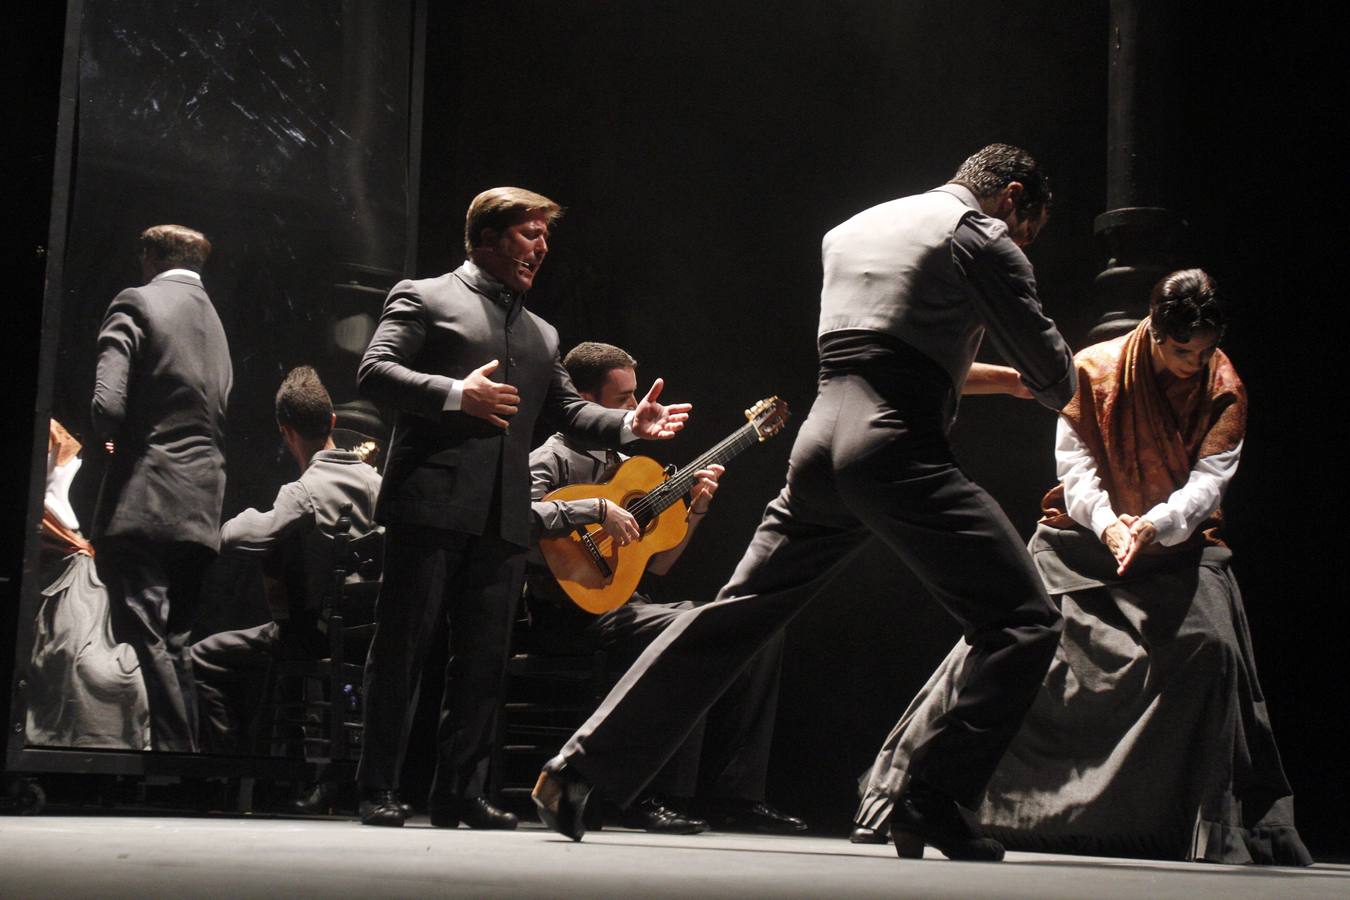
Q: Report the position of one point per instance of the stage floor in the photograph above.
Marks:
(122, 856)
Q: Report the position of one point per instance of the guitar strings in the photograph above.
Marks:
(660, 497)
(655, 501)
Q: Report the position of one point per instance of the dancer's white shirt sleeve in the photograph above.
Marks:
(1175, 518)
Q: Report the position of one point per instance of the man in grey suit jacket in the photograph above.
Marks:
(164, 377)
(727, 777)
(230, 665)
(456, 493)
(910, 288)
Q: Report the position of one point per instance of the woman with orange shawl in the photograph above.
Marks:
(84, 689)
(1149, 736)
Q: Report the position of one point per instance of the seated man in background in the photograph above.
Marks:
(229, 666)
(734, 764)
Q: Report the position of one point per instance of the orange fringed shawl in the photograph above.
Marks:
(1147, 430)
(61, 449)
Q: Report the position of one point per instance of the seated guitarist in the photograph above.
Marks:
(724, 773)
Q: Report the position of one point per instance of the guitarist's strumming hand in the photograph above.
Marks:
(620, 524)
(599, 568)
(484, 398)
(654, 421)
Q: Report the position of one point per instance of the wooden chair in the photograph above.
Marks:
(549, 692)
(311, 708)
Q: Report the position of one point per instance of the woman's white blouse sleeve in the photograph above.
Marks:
(1084, 500)
(1175, 518)
(1195, 501)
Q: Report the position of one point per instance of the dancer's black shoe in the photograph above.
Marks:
(922, 816)
(560, 796)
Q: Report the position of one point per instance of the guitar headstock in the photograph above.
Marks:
(768, 416)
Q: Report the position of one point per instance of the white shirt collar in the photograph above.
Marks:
(167, 272)
(960, 192)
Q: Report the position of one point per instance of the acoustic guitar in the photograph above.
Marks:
(598, 574)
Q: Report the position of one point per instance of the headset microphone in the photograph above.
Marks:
(526, 263)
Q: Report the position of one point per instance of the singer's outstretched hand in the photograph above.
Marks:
(656, 421)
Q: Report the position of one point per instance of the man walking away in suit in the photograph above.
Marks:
(163, 380)
(910, 288)
(468, 370)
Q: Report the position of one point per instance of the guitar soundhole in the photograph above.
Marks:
(632, 498)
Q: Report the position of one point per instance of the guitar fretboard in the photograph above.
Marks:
(659, 499)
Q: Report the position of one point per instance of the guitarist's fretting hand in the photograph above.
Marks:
(653, 421)
(620, 524)
(488, 399)
(701, 494)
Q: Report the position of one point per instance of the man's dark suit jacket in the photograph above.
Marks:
(443, 467)
(164, 377)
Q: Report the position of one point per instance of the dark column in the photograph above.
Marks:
(1140, 233)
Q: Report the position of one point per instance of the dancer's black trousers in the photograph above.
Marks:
(872, 459)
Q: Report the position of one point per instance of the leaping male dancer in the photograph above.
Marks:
(911, 286)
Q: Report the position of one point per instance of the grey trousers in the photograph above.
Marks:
(872, 459)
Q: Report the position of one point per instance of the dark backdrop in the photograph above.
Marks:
(703, 149)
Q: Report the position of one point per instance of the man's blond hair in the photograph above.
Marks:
(501, 207)
(176, 246)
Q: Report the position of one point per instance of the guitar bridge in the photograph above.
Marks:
(589, 543)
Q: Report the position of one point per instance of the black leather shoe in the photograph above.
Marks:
(560, 796)
(865, 835)
(381, 808)
(475, 812)
(755, 816)
(652, 814)
(923, 816)
(319, 799)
